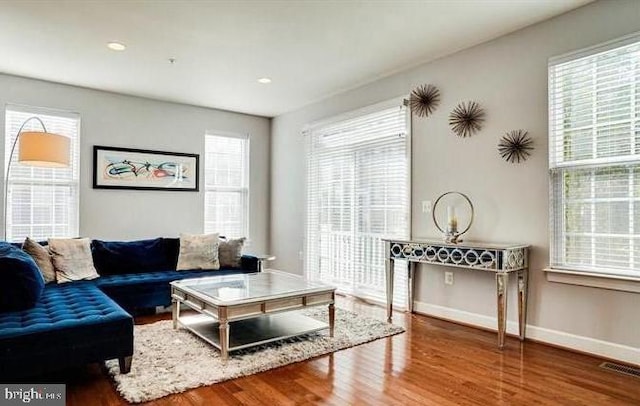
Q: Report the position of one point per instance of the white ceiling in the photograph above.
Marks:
(311, 49)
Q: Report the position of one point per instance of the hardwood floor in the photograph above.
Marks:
(433, 363)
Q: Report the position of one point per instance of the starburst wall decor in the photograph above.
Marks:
(424, 100)
(466, 119)
(515, 146)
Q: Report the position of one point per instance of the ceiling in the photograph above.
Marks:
(310, 49)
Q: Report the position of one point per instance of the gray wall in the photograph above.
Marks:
(125, 121)
(508, 76)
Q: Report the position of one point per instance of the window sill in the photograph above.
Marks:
(595, 280)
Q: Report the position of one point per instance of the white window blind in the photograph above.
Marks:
(594, 159)
(226, 177)
(358, 179)
(42, 202)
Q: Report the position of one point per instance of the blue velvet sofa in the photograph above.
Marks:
(81, 322)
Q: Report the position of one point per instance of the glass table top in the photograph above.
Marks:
(245, 287)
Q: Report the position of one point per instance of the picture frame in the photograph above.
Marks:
(145, 169)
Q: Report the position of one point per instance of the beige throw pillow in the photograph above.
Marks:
(230, 252)
(42, 258)
(72, 259)
(198, 252)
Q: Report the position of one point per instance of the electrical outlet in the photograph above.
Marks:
(301, 255)
(448, 278)
(426, 206)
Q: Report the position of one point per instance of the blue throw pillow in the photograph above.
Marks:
(172, 248)
(21, 281)
(122, 257)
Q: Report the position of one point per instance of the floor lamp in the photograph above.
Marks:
(36, 149)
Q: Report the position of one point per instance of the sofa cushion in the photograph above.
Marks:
(21, 283)
(42, 258)
(72, 259)
(147, 290)
(230, 252)
(71, 324)
(249, 263)
(127, 257)
(198, 252)
(172, 248)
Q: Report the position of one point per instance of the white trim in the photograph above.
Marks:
(589, 345)
(247, 182)
(594, 280)
(395, 102)
(409, 130)
(302, 252)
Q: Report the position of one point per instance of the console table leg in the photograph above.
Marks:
(523, 283)
(332, 319)
(389, 278)
(411, 268)
(175, 313)
(502, 283)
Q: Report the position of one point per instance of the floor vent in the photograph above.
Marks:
(623, 369)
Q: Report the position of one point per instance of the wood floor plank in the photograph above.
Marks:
(434, 363)
(220, 393)
(267, 393)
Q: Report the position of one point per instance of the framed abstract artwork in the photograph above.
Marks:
(141, 169)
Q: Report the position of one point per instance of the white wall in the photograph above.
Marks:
(124, 121)
(508, 76)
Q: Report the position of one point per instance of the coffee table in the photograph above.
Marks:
(239, 311)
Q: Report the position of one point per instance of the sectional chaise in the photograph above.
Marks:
(88, 321)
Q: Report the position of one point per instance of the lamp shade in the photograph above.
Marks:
(44, 149)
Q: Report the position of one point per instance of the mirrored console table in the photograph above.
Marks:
(500, 259)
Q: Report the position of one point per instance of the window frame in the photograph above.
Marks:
(244, 190)
(73, 226)
(591, 274)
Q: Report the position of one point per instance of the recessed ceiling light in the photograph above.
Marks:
(264, 81)
(116, 46)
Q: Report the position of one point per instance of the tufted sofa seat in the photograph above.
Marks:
(150, 289)
(71, 324)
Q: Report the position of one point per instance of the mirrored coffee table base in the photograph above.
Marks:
(255, 331)
(237, 312)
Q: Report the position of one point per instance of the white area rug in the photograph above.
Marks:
(167, 361)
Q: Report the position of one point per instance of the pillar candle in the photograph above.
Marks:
(452, 221)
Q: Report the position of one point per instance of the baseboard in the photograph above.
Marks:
(557, 338)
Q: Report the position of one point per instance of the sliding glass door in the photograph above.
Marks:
(358, 193)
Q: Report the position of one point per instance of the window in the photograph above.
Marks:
(594, 159)
(358, 193)
(42, 202)
(226, 177)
